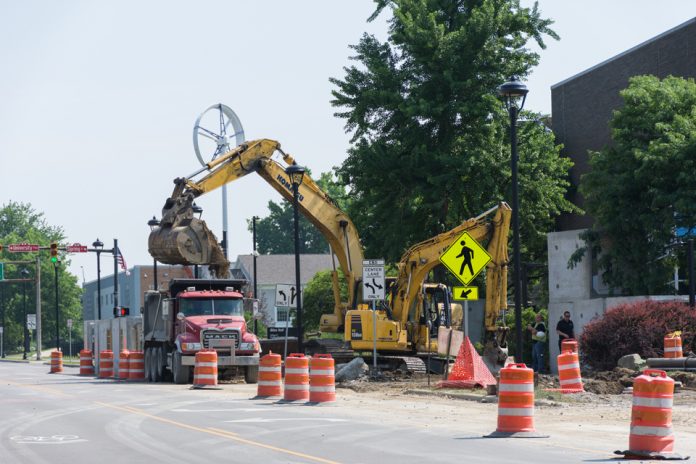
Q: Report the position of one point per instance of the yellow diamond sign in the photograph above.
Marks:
(465, 258)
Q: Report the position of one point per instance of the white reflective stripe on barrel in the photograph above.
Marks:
(269, 369)
(328, 389)
(270, 383)
(321, 372)
(563, 367)
(296, 371)
(206, 376)
(516, 387)
(515, 411)
(652, 402)
(651, 431)
(206, 364)
(296, 387)
(570, 381)
(673, 349)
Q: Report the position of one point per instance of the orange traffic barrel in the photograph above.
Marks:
(516, 403)
(296, 377)
(322, 386)
(270, 376)
(673, 346)
(569, 344)
(123, 368)
(56, 362)
(569, 372)
(86, 363)
(136, 365)
(651, 417)
(106, 364)
(205, 370)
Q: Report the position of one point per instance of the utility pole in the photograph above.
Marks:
(38, 308)
(256, 296)
(116, 253)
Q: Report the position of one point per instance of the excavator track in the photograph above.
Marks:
(336, 348)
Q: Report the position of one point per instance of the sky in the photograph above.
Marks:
(99, 99)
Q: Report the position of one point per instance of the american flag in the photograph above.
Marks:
(122, 261)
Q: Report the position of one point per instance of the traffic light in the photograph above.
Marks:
(54, 252)
(121, 311)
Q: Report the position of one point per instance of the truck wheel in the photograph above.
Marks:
(180, 372)
(251, 374)
(157, 364)
(148, 364)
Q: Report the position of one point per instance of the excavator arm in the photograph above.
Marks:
(183, 239)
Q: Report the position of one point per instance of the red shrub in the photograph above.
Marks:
(634, 328)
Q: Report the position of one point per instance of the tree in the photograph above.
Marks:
(641, 188)
(317, 298)
(20, 223)
(275, 232)
(429, 135)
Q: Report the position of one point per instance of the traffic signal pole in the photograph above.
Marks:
(38, 308)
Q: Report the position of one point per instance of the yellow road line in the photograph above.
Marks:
(217, 432)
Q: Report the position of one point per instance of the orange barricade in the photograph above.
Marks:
(56, 362)
(270, 376)
(123, 367)
(136, 365)
(516, 403)
(86, 366)
(569, 372)
(322, 387)
(205, 371)
(569, 344)
(673, 346)
(651, 416)
(106, 364)
(296, 377)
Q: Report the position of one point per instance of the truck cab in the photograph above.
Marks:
(194, 315)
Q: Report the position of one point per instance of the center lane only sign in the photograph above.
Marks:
(373, 279)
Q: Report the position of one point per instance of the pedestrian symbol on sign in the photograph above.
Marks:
(465, 258)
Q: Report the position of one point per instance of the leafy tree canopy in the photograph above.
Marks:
(20, 223)
(317, 298)
(430, 143)
(641, 188)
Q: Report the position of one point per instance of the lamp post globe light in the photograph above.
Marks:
(514, 93)
(154, 223)
(296, 173)
(199, 211)
(98, 246)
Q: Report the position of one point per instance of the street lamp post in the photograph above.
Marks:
(296, 173)
(199, 211)
(25, 275)
(56, 265)
(253, 221)
(514, 92)
(98, 247)
(154, 223)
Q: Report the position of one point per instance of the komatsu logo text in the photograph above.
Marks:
(288, 185)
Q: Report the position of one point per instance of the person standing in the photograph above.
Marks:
(565, 329)
(539, 337)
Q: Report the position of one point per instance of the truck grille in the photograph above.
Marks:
(225, 338)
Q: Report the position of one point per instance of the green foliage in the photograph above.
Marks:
(275, 232)
(20, 223)
(528, 318)
(430, 136)
(642, 186)
(317, 298)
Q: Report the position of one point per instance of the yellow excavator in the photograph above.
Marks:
(402, 327)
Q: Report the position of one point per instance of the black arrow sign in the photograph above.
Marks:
(465, 294)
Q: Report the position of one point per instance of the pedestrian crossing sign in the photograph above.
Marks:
(465, 258)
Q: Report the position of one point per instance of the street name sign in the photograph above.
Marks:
(22, 248)
(76, 248)
(373, 279)
(31, 321)
(465, 258)
(465, 293)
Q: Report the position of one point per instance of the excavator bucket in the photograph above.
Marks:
(183, 239)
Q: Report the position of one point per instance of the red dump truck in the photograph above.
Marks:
(196, 314)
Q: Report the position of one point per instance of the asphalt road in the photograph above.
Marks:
(65, 418)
